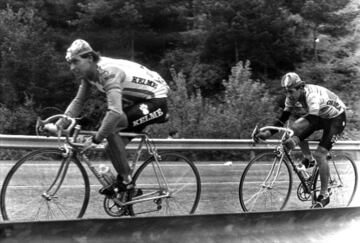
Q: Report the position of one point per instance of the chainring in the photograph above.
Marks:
(302, 193)
(113, 209)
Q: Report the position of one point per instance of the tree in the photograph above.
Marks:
(325, 17)
(31, 70)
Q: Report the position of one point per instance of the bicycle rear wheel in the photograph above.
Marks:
(170, 187)
(342, 181)
(42, 186)
(265, 184)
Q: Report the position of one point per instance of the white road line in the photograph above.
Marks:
(98, 185)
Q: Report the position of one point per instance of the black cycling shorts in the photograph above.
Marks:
(146, 112)
(332, 129)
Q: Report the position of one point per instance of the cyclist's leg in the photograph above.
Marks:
(320, 156)
(303, 144)
(303, 129)
(115, 149)
(139, 115)
(305, 149)
(332, 130)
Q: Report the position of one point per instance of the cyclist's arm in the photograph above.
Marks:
(76, 105)
(281, 120)
(114, 116)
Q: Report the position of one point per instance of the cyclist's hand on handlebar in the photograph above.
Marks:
(261, 136)
(50, 128)
(291, 142)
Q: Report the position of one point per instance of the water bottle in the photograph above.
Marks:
(105, 172)
(302, 169)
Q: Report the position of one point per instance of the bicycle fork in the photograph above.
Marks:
(270, 179)
(49, 194)
(276, 166)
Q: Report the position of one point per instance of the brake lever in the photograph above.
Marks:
(39, 126)
(255, 131)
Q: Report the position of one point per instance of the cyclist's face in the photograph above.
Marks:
(293, 93)
(81, 67)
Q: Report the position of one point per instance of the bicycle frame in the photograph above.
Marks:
(309, 187)
(283, 153)
(73, 149)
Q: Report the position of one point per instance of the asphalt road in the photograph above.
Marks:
(220, 182)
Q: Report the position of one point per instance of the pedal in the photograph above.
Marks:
(302, 193)
(107, 190)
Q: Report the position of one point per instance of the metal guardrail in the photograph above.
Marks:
(33, 142)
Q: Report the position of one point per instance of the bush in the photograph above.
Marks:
(19, 120)
(244, 103)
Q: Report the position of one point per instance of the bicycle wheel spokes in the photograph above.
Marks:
(170, 187)
(27, 193)
(265, 184)
(342, 181)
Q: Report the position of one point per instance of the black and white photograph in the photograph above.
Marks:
(179, 121)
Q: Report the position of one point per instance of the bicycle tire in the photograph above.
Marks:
(342, 182)
(183, 184)
(22, 193)
(254, 196)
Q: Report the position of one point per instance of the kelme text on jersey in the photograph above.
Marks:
(143, 81)
(148, 117)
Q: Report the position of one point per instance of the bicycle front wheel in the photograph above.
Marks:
(44, 185)
(265, 184)
(342, 181)
(169, 186)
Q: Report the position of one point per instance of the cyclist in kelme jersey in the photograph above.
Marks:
(324, 111)
(136, 97)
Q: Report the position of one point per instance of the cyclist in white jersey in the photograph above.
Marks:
(324, 111)
(136, 97)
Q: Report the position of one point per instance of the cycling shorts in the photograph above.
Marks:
(332, 129)
(146, 112)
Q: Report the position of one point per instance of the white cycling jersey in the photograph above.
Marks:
(139, 83)
(319, 101)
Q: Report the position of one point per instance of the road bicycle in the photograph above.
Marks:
(266, 182)
(52, 183)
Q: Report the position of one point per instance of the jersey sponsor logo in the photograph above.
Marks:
(144, 108)
(148, 117)
(334, 104)
(143, 81)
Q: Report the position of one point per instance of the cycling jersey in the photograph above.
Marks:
(319, 101)
(139, 82)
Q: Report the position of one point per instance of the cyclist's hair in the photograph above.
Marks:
(95, 55)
